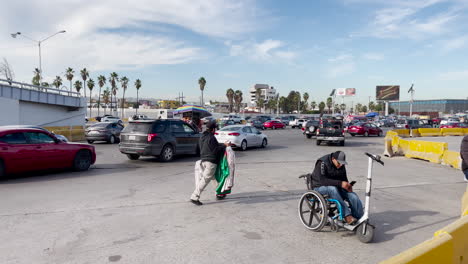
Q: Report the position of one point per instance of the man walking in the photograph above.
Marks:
(210, 152)
(464, 156)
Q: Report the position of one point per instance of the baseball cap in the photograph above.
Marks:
(340, 156)
(212, 124)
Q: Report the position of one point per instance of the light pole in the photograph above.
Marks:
(39, 42)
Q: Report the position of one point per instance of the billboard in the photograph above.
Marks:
(388, 93)
(346, 92)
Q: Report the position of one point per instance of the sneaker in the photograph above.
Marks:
(196, 202)
(220, 196)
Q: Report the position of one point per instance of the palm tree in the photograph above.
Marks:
(298, 100)
(202, 83)
(313, 104)
(36, 80)
(358, 107)
(114, 78)
(364, 109)
(342, 108)
(306, 98)
(321, 107)
(230, 96)
(238, 99)
(329, 104)
(258, 96)
(371, 106)
(101, 82)
(124, 81)
(137, 86)
(57, 82)
(78, 86)
(261, 103)
(84, 75)
(106, 94)
(90, 87)
(69, 75)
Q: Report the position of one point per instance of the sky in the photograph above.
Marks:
(307, 46)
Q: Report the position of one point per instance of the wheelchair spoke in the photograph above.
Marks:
(312, 213)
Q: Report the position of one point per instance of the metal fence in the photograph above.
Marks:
(39, 88)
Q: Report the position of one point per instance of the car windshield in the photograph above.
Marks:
(335, 125)
(231, 128)
(138, 128)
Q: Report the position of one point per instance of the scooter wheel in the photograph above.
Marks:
(368, 235)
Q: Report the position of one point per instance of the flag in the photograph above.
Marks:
(411, 89)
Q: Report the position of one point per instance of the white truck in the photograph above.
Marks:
(298, 122)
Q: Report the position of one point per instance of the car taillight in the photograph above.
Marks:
(216, 133)
(151, 136)
(318, 131)
(303, 128)
(406, 126)
(234, 134)
(343, 131)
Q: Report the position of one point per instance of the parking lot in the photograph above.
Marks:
(139, 211)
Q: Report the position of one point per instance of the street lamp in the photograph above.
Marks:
(14, 35)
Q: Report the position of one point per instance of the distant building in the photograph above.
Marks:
(168, 104)
(433, 108)
(267, 93)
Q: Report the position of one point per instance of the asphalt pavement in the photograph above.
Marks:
(123, 211)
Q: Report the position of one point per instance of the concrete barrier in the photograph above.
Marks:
(458, 230)
(73, 133)
(452, 158)
(464, 207)
(452, 131)
(426, 150)
(429, 132)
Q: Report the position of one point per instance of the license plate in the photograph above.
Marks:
(93, 132)
(131, 137)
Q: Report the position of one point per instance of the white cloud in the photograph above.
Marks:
(454, 76)
(267, 50)
(341, 65)
(374, 56)
(454, 44)
(342, 57)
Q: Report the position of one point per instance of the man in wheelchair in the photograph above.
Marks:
(329, 178)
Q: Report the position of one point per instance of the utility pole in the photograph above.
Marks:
(411, 90)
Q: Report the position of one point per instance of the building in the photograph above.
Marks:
(168, 104)
(433, 108)
(267, 92)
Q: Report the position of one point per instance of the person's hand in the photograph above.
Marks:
(347, 186)
(227, 143)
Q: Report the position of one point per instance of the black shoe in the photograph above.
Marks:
(196, 202)
(220, 197)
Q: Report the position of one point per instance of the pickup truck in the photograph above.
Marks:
(331, 131)
(310, 128)
(297, 123)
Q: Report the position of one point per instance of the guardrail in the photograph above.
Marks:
(39, 88)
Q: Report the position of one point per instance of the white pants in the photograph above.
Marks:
(202, 179)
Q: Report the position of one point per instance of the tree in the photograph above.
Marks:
(230, 97)
(57, 82)
(78, 86)
(101, 82)
(371, 106)
(6, 70)
(36, 80)
(298, 102)
(283, 104)
(90, 87)
(305, 104)
(202, 83)
(364, 109)
(313, 105)
(321, 107)
(336, 108)
(329, 104)
(358, 107)
(84, 75)
(114, 78)
(137, 86)
(69, 75)
(261, 104)
(106, 94)
(124, 81)
(238, 99)
(342, 108)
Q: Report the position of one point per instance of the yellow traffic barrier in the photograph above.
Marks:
(429, 132)
(465, 131)
(72, 133)
(452, 158)
(435, 251)
(464, 207)
(426, 150)
(458, 230)
(402, 132)
(452, 131)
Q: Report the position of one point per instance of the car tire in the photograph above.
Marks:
(2, 170)
(309, 136)
(243, 146)
(167, 153)
(366, 134)
(82, 160)
(318, 142)
(90, 141)
(273, 127)
(111, 139)
(342, 143)
(353, 135)
(264, 143)
(133, 156)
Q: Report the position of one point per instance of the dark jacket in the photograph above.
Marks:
(210, 149)
(326, 174)
(464, 153)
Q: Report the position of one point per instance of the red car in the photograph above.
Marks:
(364, 129)
(25, 149)
(454, 125)
(273, 124)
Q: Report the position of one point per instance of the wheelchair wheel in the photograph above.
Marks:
(313, 210)
(368, 235)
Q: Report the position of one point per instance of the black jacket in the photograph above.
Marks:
(464, 153)
(210, 149)
(326, 174)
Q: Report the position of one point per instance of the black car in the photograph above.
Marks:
(104, 131)
(310, 128)
(256, 123)
(163, 138)
(331, 131)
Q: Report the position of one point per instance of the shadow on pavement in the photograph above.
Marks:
(264, 197)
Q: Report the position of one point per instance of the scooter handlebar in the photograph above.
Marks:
(375, 158)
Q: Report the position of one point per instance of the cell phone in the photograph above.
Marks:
(352, 183)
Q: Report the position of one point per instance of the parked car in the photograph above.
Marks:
(297, 123)
(98, 118)
(331, 131)
(103, 131)
(285, 120)
(310, 128)
(455, 125)
(112, 119)
(223, 123)
(256, 123)
(242, 136)
(28, 149)
(59, 137)
(237, 119)
(137, 117)
(411, 124)
(163, 138)
(273, 124)
(207, 119)
(365, 129)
